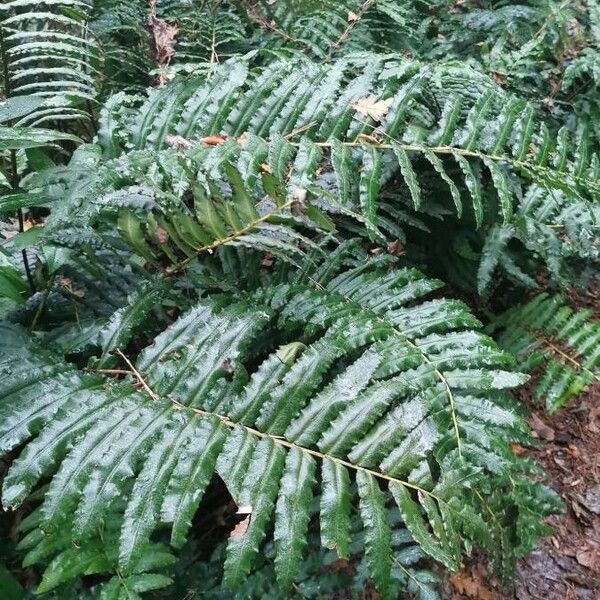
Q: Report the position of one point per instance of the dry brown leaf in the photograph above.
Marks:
(299, 194)
(240, 529)
(369, 139)
(370, 106)
(395, 248)
(161, 235)
(341, 565)
(465, 584)
(517, 449)
(594, 420)
(214, 140)
(164, 40)
(589, 557)
(268, 260)
(540, 429)
(67, 284)
(178, 141)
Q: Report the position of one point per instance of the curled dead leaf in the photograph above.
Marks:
(395, 248)
(178, 141)
(214, 140)
(468, 586)
(540, 429)
(268, 260)
(163, 35)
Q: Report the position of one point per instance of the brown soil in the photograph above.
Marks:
(566, 566)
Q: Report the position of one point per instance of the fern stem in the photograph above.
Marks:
(556, 350)
(152, 395)
(110, 371)
(269, 24)
(320, 455)
(5, 73)
(589, 183)
(42, 304)
(358, 15)
(21, 229)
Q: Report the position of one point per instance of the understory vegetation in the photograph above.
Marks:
(270, 274)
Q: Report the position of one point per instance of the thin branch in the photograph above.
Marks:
(302, 129)
(109, 371)
(358, 15)
(42, 304)
(556, 350)
(269, 25)
(138, 376)
(22, 226)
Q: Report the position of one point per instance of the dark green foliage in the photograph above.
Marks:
(235, 280)
(515, 178)
(47, 54)
(321, 574)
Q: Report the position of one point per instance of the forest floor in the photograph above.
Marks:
(566, 566)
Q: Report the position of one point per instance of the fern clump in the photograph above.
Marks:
(226, 235)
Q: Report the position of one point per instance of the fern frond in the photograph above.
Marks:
(564, 343)
(485, 137)
(330, 28)
(370, 382)
(12, 284)
(47, 53)
(312, 576)
(209, 32)
(124, 39)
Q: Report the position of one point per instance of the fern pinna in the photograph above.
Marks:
(47, 55)
(349, 385)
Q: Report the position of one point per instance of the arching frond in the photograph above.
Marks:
(376, 115)
(356, 378)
